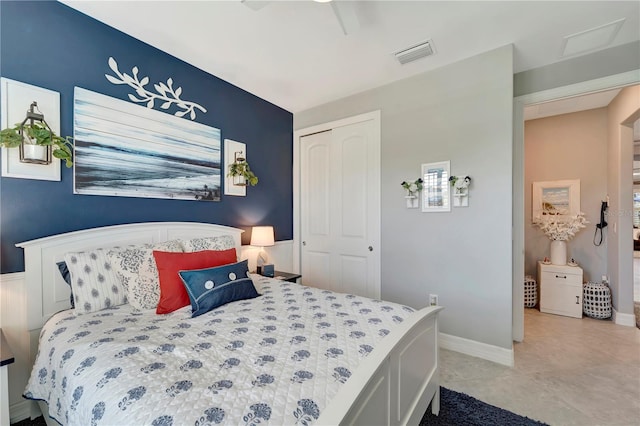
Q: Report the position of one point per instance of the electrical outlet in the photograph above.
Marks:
(433, 299)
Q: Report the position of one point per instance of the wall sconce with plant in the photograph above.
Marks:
(240, 171)
(460, 185)
(413, 189)
(36, 141)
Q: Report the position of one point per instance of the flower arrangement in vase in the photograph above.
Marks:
(560, 228)
(412, 189)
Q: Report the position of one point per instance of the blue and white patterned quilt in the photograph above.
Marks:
(277, 359)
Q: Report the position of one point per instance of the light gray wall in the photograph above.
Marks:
(616, 60)
(462, 113)
(568, 146)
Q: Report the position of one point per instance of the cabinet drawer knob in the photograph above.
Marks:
(561, 276)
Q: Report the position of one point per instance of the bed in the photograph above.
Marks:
(294, 354)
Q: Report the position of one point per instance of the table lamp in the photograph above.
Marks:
(262, 236)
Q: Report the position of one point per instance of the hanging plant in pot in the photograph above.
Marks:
(241, 173)
(34, 138)
(560, 228)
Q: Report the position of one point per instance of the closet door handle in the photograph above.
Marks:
(577, 300)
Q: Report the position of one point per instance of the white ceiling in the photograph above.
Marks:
(295, 55)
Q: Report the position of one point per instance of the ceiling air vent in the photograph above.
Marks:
(413, 53)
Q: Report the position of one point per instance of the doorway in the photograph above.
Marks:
(636, 221)
(611, 82)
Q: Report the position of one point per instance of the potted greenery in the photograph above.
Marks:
(38, 135)
(241, 173)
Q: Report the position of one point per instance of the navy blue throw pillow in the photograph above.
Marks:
(212, 287)
(66, 275)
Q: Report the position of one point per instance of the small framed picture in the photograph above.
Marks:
(558, 197)
(436, 195)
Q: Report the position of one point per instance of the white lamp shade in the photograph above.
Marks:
(262, 236)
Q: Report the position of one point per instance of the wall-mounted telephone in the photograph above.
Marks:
(603, 211)
(600, 226)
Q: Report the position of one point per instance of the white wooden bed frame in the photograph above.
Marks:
(393, 385)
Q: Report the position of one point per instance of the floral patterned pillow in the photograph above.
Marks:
(94, 283)
(223, 242)
(136, 268)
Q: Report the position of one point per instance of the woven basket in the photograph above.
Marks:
(596, 301)
(530, 292)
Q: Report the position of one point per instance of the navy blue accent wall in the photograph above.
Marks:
(72, 50)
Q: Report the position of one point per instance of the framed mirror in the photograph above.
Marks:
(436, 196)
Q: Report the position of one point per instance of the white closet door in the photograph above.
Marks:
(340, 209)
(316, 207)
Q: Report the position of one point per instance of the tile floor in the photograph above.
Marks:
(567, 372)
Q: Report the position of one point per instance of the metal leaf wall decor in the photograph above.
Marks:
(167, 94)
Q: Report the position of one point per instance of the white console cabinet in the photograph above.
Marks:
(560, 289)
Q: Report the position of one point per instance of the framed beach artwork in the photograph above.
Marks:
(127, 150)
(559, 197)
(435, 191)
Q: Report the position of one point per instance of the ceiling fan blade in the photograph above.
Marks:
(255, 4)
(346, 13)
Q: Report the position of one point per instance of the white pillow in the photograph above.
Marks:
(222, 242)
(94, 283)
(136, 267)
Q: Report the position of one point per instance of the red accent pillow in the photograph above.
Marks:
(173, 295)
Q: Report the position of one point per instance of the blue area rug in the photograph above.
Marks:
(458, 409)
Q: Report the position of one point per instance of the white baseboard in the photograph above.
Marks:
(20, 410)
(624, 319)
(478, 349)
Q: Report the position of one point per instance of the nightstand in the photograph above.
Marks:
(6, 358)
(287, 276)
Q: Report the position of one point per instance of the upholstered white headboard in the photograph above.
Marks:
(47, 293)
